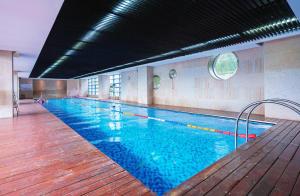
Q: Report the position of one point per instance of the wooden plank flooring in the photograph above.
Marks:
(40, 155)
(268, 165)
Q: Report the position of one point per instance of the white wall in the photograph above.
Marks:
(103, 87)
(282, 75)
(6, 81)
(136, 85)
(78, 87)
(195, 87)
(73, 87)
(269, 71)
(83, 83)
(129, 86)
(145, 85)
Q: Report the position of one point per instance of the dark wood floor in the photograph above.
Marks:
(269, 165)
(40, 155)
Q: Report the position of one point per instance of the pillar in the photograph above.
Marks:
(145, 85)
(83, 88)
(73, 88)
(104, 84)
(6, 81)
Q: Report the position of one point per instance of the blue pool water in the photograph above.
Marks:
(160, 154)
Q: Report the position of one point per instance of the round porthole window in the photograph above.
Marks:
(223, 66)
(156, 82)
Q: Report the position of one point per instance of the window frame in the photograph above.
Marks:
(156, 78)
(212, 64)
(93, 86)
(115, 86)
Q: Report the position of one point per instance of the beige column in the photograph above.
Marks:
(282, 75)
(83, 87)
(103, 92)
(129, 86)
(6, 81)
(73, 88)
(145, 85)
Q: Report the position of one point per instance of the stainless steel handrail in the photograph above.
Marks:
(246, 108)
(277, 101)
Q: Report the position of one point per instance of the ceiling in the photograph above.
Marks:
(24, 27)
(95, 36)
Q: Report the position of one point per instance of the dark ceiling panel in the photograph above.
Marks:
(98, 35)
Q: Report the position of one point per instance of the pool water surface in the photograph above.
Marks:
(161, 154)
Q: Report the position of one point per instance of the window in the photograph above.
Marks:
(224, 66)
(115, 87)
(93, 86)
(156, 82)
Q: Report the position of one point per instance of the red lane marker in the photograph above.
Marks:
(140, 115)
(216, 130)
(249, 135)
(232, 134)
(242, 135)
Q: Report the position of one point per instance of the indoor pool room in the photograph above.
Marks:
(150, 98)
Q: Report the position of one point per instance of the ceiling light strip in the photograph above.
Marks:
(126, 3)
(270, 26)
(104, 23)
(200, 45)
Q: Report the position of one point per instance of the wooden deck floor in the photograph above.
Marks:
(269, 165)
(41, 155)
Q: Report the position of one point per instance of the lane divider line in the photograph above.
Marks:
(252, 136)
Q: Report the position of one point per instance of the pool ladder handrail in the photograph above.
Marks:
(283, 102)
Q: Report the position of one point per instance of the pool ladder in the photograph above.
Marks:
(252, 106)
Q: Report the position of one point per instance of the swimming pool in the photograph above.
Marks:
(161, 152)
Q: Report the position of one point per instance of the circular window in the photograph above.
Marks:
(224, 66)
(156, 82)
